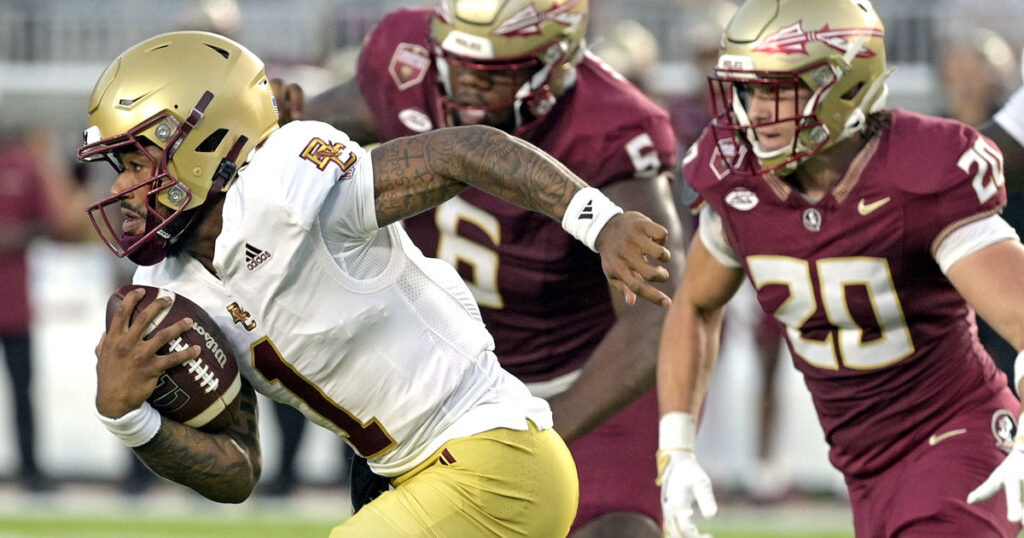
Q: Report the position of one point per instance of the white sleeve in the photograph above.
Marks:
(304, 167)
(349, 211)
(970, 238)
(712, 235)
(1011, 116)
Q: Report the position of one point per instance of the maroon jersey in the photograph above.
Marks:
(542, 294)
(22, 204)
(887, 346)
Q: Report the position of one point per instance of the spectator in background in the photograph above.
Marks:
(37, 198)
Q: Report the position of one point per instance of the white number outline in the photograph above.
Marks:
(988, 159)
(643, 155)
(834, 276)
(453, 248)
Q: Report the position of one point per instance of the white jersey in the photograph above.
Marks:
(346, 321)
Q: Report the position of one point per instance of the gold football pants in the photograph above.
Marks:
(500, 482)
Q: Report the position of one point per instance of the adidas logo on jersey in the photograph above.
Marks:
(588, 211)
(254, 256)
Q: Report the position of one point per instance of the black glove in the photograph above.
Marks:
(365, 485)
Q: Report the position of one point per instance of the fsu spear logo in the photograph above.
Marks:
(793, 39)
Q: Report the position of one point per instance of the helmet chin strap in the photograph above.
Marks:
(541, 103)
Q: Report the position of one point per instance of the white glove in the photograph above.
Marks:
(681, 478)
(1008, 476)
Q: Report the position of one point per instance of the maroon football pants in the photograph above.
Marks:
(924, 495)
(616, 464)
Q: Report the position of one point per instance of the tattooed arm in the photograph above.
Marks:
(415, 173)
(223, 467)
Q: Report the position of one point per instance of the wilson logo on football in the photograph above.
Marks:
(254, 256)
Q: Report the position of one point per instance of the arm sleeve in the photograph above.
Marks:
(970, 238)
(712, 234)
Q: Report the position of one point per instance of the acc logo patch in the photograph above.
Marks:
(742, 199)
(323, 153)
(415, 120)
(409, 65)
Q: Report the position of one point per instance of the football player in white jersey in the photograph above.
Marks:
(289, 239)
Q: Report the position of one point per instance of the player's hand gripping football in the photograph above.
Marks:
(1008, 476)
(128, 367)
(627, 244)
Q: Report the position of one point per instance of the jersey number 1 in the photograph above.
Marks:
(370, 439)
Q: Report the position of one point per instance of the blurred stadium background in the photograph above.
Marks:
(52, 51)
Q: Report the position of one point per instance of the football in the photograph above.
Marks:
(203, 392)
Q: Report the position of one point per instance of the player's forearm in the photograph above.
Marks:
(223, 467)
(415, 173)
(687, 356)
(619, 370)
(622, 367)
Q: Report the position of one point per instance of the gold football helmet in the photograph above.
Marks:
(543, 37)
(204, 101)
(835, 48)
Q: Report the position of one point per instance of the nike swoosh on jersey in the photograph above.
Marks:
(865, 209)
(940, 437)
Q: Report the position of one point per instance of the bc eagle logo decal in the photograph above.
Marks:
(322, 153)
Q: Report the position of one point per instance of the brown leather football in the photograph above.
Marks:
(203, 392)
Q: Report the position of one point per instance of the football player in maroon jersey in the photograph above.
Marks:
(522, 66)
(873, 235)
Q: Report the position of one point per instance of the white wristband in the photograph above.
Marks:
(135, 428)
(588, 212)
(1011, 116)
(677, 430)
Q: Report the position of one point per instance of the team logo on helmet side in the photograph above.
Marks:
(527, 21)
(409, 65)
(793, 39)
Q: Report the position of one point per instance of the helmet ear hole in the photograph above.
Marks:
(212, 142)
(853, 92)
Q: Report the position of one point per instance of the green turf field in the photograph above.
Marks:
(164, 528)
(136, 527)
(88, 511)
(158, 528)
